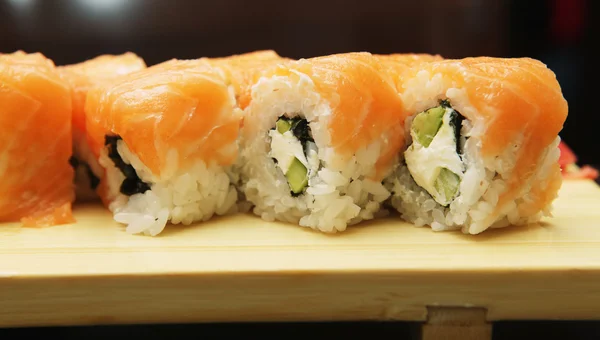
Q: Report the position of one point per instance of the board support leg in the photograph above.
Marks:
(453, 323)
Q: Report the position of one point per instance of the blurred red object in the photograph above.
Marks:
(569, 168)
(568, 20)
(566, 155)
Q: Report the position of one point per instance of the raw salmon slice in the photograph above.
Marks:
(82, 77)
(35, 141)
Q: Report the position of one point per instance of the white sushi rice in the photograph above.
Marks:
(196, 194)
(483, 181)
(338, 194)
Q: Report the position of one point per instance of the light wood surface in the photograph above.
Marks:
(243, 269)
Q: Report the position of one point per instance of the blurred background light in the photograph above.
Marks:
(105, 6)
(21, 4)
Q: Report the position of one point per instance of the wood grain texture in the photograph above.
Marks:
(445, 323)
(243, 269)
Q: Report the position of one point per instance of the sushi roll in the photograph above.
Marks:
(82, 77)
(398, 64)
(244, 70)
(167, 138)
(35, 142)
(319, 137)
(482, 144)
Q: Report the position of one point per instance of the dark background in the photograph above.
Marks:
(561, 33)
(530, 330)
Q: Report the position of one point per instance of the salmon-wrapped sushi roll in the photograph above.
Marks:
(35, 142)
(398, 64)
(319, 136)
(482, 144)
(82, 77)
(244, 70)
(167, 137)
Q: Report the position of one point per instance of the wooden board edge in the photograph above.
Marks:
(300, 297)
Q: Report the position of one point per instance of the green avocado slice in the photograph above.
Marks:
(427, 124)
(283, 125)
(447, 185)
(297, 176)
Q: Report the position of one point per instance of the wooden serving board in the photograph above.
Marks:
(243, 269)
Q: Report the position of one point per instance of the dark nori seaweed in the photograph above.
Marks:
(456, 120)
(301, 130)
(74, 162)
(132, 184)
(445, 103)
(94, 181)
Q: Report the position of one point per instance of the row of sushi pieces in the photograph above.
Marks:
(324, 142)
